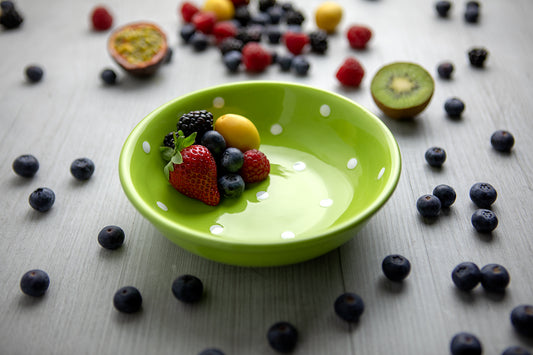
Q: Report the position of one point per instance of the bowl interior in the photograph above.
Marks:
(333, 164)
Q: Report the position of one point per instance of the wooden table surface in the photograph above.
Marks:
(71, 114)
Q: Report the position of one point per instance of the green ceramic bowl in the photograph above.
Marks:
(333, 165)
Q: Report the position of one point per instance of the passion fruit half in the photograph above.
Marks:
(139, 48)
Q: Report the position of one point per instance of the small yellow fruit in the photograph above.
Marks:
(223, 9)
(328, 15)
(238, 131)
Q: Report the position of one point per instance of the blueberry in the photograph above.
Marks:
(494, 277)
(483, 194)
(168, 55)
(446, 194)
(522, 319)
(396, 267)
(484, 221)
(273, 34)
(275, 13)
(466, 276)
(199, 41)
(211, 352)
(428, 206)
(471, 14)
(515, 350)
(349, 306)
(445, 70)
(186, 32)
(34, 73)
(82, 168)
(502, 141)
(242, 15)
(35, 283)
(7, 5)
(454, 107)
(42, 199)
(472, 3)
(477, 57)
(26, 165)
(108, 76)
(188, 288)
(282, 337)
(111, 237)
(128, 299)
(214, 141)
(232, 159)
(232, 60)
(300, 65)
(231, 185)
(435, 156)
(260, 18)
(443, 7)
(465, 344)
(285, 62)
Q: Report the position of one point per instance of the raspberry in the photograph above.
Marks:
(255, 57)
(351, 72)
(358, 36)
(295, 41)
(188, 10)
(256, 166)
(204, 21)
(101, 19)
(223, 30)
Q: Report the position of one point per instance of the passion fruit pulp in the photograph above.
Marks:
(139, 48)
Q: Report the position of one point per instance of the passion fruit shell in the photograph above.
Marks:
(139, 48)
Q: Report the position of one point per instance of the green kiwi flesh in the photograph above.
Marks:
(402, 89)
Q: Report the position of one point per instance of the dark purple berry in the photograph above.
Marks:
(466, 276)
(82, 168)
(300, 65)
(26, 165)
(515, 350)
(214, 141)
(211, 352)
(188, 288)
(282, 337)
(446, 194)
(494, 277)
(484, 221)
(231, 185)
(445, 70)
(349, 306)
(128, 299)
(435, 156)
(34, 73)
(443, 7)
(111, 237)
(232, 159)
(42, 199)
(428, 206)
(396, 267)
(522, 319)
(454, 107)
(35, 283)
(483, 194)
(465, 344)
(477, 57)
(108, 76)
(502, 141)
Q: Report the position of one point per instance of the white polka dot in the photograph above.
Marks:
(326, 202)
(352, 163)
(287, 235)
(261, 195)
(162, 206)
(276, 129)
(146, 147)
(218, 102)
(325, 110)
(216, 229)
(299, 166)
(381, 172)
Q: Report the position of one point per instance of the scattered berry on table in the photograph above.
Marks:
(199, 121)
(471, 14)
(443, 8)
(34, 73)
(466, 276)
(446, 194)
(328, 15)
(494, 277)
(264, 5)
(35, 283)
(242, 15)
(300, 65)
(204, 21)
(318, 41)
(285, 61)
(25, 165)
(522, 319)
(275, 13)
(350, 73)
(10, 18)
(428, 206)
(215, 142)
(435, 156)
(358, 36)
(224, 29)
(473, 3)
(111, 237)
(230, 44)
(295, 41)
(168, 55)
(349, 307)
(515, 350)
(232, 159)
(477, 57)
(82, 168)
(211, 352)
(232, 60)
(101, 19)
(294, 17)
(484, 221)
(187, 10)
(127, 299)
(282, 337)
(483, 194)
(186, 32)
(252, 33)
(261, 18)
(502, 140)
(199, 41)
(231, 185)
(256, 166)
(42, 199)
(454, 107)
(188, 288)
(255, 57)
(273, 34)
(108, 76)
(396, 267)
(465, 344)
(445, 70)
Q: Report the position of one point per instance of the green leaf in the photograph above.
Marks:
(166, 153)
(176, 158)
(173, 156)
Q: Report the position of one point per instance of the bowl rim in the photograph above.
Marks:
(204, 238)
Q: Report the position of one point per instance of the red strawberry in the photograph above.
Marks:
(358, 36)
(188, 9)
(101, 19)
(351, 72)
(256, 166)
(295, 41)
(204, 21)
(224, 29)
(255, 57)
(192, 170)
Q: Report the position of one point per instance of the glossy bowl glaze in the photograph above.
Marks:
(333, 165)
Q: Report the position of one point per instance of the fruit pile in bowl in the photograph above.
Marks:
(332, 166)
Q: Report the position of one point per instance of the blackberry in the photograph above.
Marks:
(250, 34)
(168, 141)
(477, 57)
(294, 17)
(10, 18)
(318, 41)
(230, 44)
(199, 121)
(264, 5)
(502, 141)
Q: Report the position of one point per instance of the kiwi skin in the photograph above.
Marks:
(408, 111)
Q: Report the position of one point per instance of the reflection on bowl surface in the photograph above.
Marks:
(333, 165)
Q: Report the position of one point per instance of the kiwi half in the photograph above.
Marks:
(402, 89)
